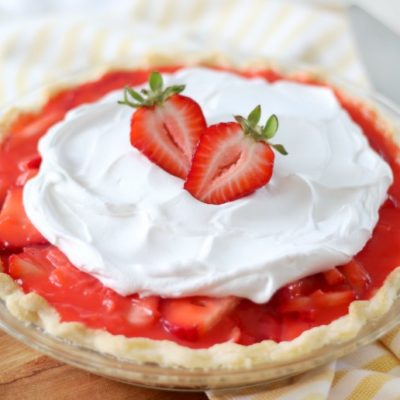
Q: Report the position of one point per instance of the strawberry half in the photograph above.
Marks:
(166, 126)
(233, 159)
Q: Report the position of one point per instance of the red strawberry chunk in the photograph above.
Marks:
(357, 276)
(29, 167)
(293, 327)
(23, 178)
(334, 277)
(301, 287)
(144, 311)
(317, 301)
(257, 322)
(168, 134)
(228, 165)
(332, 299)
(27, 269)
(31, 162)
(48, 272)
(190, 318)
(16, 230)
(234, 335)
(296, 304)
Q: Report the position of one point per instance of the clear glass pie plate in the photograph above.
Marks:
(152, 375)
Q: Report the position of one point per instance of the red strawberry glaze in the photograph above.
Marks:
(313, 301)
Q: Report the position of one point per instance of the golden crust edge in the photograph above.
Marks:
(32, 308)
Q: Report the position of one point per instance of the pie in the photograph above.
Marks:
(187, 257)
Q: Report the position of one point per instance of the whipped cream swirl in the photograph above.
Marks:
(124, 220)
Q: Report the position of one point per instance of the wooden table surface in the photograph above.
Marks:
(28, 375)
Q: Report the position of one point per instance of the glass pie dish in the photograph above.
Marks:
(151, 374)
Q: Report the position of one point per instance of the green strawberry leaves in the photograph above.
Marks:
(155, 95)
(251, 127)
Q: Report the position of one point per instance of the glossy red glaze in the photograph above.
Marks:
(309, 302)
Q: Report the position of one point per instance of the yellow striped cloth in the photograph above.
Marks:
(37, 46)
(372, 372)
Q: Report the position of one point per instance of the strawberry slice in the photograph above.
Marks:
(29, 167)
(234, 335)
(257, 322)
(31, 162)
(293, 327)
(144, 311)
(334, 277)
(317, 301)
(357, 276)
(63, 274)
(191, 317)
(332, 299)
(28, 269)
(16, 230)
(301, 287)
(166, 126)
(233, 159)
(77, 295)
(24, 177)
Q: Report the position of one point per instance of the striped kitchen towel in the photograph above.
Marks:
(38, 43)
(41, 41)
(371, 373)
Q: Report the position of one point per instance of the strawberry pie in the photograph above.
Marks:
(199, 216)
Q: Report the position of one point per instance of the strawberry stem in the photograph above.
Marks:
(261, 133)
(155, 95)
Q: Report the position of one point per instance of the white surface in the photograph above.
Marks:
(120, 217)
(388, 11)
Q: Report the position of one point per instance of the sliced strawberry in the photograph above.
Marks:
(16, 230)
(293, 327)
(190, 318)
(357, 276)
(334, 277)
(233, 159)
(144, 311)
(29, 167)
(235, 335)
(31, 162)
(297, 304)
(48, 272)
(270, 328)
(317, 301)
(64, 277)
(332, 299)
(301, 287)
(166, 126)
(27, 269)
(64, 274)
(257, 322)
(25, 176)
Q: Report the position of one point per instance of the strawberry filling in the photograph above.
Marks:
(197, 322)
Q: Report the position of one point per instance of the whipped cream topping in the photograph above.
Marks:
(124, 220)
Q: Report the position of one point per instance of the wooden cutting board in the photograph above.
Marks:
(28, 375)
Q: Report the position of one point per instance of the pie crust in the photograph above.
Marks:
(32, 308)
